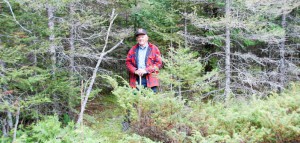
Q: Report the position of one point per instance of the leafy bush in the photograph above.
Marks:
(134, 138)
(275, 119)
(50, 130)
(183, 72)
(168, 118)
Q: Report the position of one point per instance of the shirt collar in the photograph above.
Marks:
(144, 47)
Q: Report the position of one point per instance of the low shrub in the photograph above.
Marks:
(50, 130)
(167, 118)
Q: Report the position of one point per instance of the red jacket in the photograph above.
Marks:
(153, 64)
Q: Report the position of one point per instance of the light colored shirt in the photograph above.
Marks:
(142, 56)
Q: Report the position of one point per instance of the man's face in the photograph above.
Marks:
(142, 39)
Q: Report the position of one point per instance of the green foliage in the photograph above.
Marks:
(41, 5)
(50, 130)
(159, 17)
(134, 138)
(38, 87)
(182, 68)
(259, 120)
(143, 103)
(46, 129)
(175, 119)
(108, 118)
(156, 11)
(25, 78)
(160, 117)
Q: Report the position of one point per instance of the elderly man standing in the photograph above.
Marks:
(143, 60)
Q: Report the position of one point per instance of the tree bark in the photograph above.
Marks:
(185, 27)
(50, 12)
(179, 90)
(1, 9)
(52, 49)
(9, 119)
(16, 124)
(71, 40)
(282, 53)
(4, 125)
(135, 26)
(2, 66)
(227, 51)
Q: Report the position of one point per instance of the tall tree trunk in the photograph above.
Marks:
(52, 49)
(227, 51)
(2, 66)
(179, 90)
(6, 117)
(282, 53)
(50, 12)
(71, 40)
(4, 125)
(135, 18)
(171, 46)
(127, 15)
(1, 9)
(9, 119)
(185, 27)
(71, 54)
(16, 124)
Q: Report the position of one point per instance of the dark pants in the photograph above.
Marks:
(144, 83)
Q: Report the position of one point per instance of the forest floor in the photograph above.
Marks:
(106, 117)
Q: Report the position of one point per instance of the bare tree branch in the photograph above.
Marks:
(15, 17)
(16, 124)
(88, 91)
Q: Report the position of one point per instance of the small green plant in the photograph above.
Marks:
(50, 130)
(184, 73)
(134, 138)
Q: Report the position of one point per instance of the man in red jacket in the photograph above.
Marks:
(143, 60)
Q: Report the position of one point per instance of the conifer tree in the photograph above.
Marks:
(183, 73)
(251, 22)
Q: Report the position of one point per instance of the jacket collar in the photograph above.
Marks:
(149, 49)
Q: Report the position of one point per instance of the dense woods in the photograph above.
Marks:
(230, 71)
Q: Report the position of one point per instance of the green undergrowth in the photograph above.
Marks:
(109, 120)
(166, 118)
(51, 130)
(163, 117)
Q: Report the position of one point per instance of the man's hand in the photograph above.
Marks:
(140, 72)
